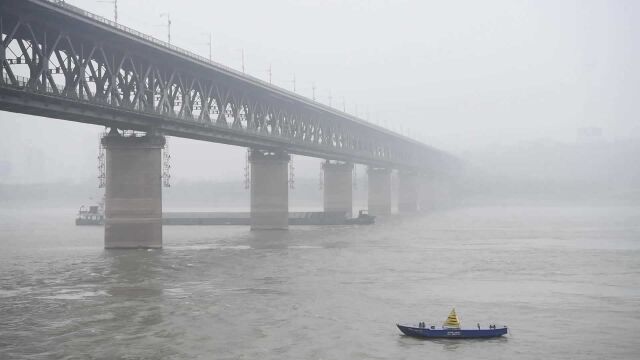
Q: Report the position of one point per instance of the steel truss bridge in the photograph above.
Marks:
(62, 62)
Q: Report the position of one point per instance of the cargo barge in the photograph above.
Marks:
(94, 215)
(244, 218)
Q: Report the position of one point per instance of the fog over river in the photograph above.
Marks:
(535, 224)
(566, 280)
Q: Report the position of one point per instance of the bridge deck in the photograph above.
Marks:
(62, 62)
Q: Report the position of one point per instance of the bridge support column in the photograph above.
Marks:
(133, 196)
(338, 187)
(269, 190)
(379, 191)
(408, 192)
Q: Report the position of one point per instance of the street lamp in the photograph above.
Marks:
(168, 26)
(115, 8)
(210, 43)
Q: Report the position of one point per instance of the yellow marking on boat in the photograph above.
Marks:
(452, 321)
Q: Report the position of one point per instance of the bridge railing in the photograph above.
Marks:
(136, 33)
(130, 31)
(63, 4)
(74, 92)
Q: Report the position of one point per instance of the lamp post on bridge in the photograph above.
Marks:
(210, 43)
(115, 8)
(269, 72)
(168, 25)
(242, 50)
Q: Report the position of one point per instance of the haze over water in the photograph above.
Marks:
(565, 279)
(538, 99)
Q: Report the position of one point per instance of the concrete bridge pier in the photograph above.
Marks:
(338, 187)
(133, 194)
(408, 192)
(379, 191)
(269, 190)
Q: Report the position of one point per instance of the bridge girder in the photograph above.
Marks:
(59, 61)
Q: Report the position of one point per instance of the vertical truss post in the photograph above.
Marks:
(81, 73)
(33, 64)
(44, 63)
(3, 52)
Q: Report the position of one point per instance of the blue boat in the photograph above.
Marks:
(451, 330)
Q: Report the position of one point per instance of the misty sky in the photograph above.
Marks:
(457, 74)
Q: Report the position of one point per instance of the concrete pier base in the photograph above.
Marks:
(379, 191)
(338, 187)
(408, 192)
(269, 190)
(133, 194)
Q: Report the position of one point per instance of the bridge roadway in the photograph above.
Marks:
(59, 61)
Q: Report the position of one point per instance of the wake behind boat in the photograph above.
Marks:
(451, 329)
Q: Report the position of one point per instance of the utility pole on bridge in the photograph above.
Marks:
(269, 72)
(242, 59)
(210, 43)
(115, 8)
(210, 47)
(168, 25)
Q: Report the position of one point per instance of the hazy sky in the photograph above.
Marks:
(458, 74)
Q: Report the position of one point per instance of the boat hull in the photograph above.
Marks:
(84, 221)
(360, 221)
(426, 333)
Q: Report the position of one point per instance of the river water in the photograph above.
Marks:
(565, 280)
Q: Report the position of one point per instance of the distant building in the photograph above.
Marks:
(5, 168)
(589, 135)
